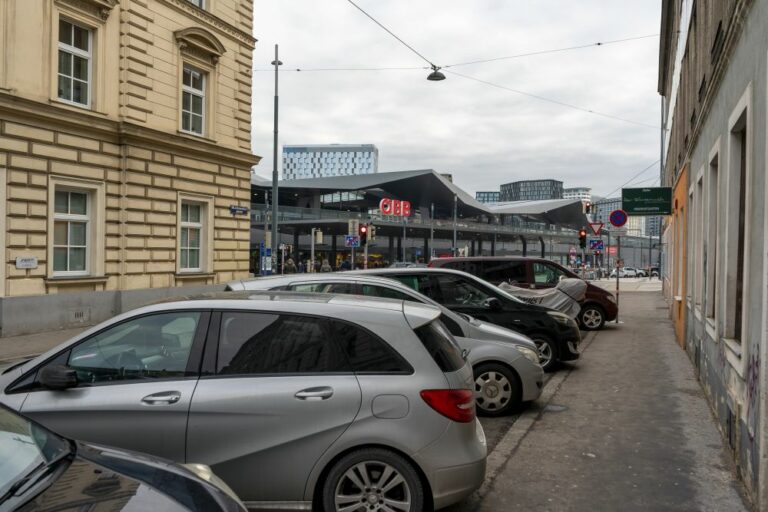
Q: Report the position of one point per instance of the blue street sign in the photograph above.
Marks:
(238, 210)
(618, 218)
(352, 241)
(595, 244)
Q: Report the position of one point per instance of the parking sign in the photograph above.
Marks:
(596, 244)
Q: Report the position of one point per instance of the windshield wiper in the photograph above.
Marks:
(35, 475)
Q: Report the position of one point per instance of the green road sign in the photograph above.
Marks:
(647, 201)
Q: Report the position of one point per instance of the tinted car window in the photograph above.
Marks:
(452, 326)
(546, 274)
(153, 346)
(342, 288)
(441, 346)
(260, 343)
(421, 283)
(504, 271)
(456, 291)
(366, 352)
(381, 291)
(471, 267)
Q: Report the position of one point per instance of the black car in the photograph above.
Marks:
(556, 335)
(40, 470)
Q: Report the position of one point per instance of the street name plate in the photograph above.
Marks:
(647, 201)
(26, 262)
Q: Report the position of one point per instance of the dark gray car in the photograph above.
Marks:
(505, 363)
(294, 400)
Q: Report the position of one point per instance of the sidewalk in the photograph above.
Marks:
(628, 429)
(18, 347)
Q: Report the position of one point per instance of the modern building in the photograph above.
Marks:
(636, 225)
(601, 209)
(712, 78)
(584, 193)
(653, 226)
(488, 197)
(124, 139)
(532, 190)
(324, 160)
(447, 175)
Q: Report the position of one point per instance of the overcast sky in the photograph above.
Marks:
(484, 136)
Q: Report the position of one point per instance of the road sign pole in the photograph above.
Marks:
(618, 259)
(365, 257)
(311, 251)
(353, 258)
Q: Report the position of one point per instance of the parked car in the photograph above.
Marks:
(505, 363)
(556, 335)
(641, 272)
(281, 394)
(41, 470)
(624, 272)
(407, 264)
(598, 307)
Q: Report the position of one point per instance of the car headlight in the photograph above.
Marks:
(560, 317)
(529, 354)
(206, 473)
(612, 298)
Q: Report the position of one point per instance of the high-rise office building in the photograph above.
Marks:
(602, 209)
(532, 190)
(324, 160)
(578, 193)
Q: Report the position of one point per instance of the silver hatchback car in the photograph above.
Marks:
(294, 400)
(505, 363)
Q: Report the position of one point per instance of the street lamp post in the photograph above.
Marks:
(273, 242)
(431, 231)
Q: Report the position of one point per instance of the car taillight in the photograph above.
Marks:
(454, 404)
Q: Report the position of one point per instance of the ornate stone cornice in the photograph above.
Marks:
(200, 43)
(97, 8)
(212, 21)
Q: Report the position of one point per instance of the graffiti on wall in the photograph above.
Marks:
(753, 392)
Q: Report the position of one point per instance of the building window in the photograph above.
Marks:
(198, 3)
(193, 101)
(191, 236)
(71, 228)
(710, 252)
(75, 61)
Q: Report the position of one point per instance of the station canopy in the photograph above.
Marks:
(423, 188)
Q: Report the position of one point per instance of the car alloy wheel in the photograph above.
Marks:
(373, 479)
(547, 352)
(592, 318)
(496, 390)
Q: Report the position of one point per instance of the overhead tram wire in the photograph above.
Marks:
(633, 178)
(516, 56)
(549, 100)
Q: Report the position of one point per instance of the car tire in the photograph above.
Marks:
(592, 317)
(367, 466)
(548, 352)
(497, 390)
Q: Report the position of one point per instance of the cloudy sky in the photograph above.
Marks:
(483, 135)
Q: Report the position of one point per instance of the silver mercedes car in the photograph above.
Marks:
(505, 363)
(305, 401)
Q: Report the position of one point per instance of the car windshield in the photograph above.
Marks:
(25, 447)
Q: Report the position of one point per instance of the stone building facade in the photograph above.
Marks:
(713, 78)
(124, 140)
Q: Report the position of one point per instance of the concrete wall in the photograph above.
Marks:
(29, 315)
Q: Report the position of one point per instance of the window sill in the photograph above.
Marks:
(194, 275)
(194, 136)
(710, 328)
(75, 280)
(733, 354)
(74, 107)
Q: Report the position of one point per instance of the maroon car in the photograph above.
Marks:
(598, 307)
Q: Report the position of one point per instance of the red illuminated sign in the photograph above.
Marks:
(395, 207)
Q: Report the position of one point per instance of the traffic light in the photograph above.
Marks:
(371, 232)
(583, 238)
(363, 233)
(588, 207)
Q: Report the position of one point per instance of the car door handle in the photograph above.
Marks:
(162, 398)
(314, 394)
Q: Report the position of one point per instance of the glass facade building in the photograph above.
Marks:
(584, 193)
(488, 196)
(325, 160)
(531, 190)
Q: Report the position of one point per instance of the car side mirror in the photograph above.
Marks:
(493, 304)
(57, 377)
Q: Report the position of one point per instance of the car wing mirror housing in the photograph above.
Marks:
(493, 303)
(58, 377)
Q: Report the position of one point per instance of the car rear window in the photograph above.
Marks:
(441, 346)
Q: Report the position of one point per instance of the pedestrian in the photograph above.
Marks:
(290, 267)
(301, 267)
(345, 265)
(326, 267)
(319, 266)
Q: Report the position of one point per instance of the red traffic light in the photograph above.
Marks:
(582, 233)
(363, 229)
